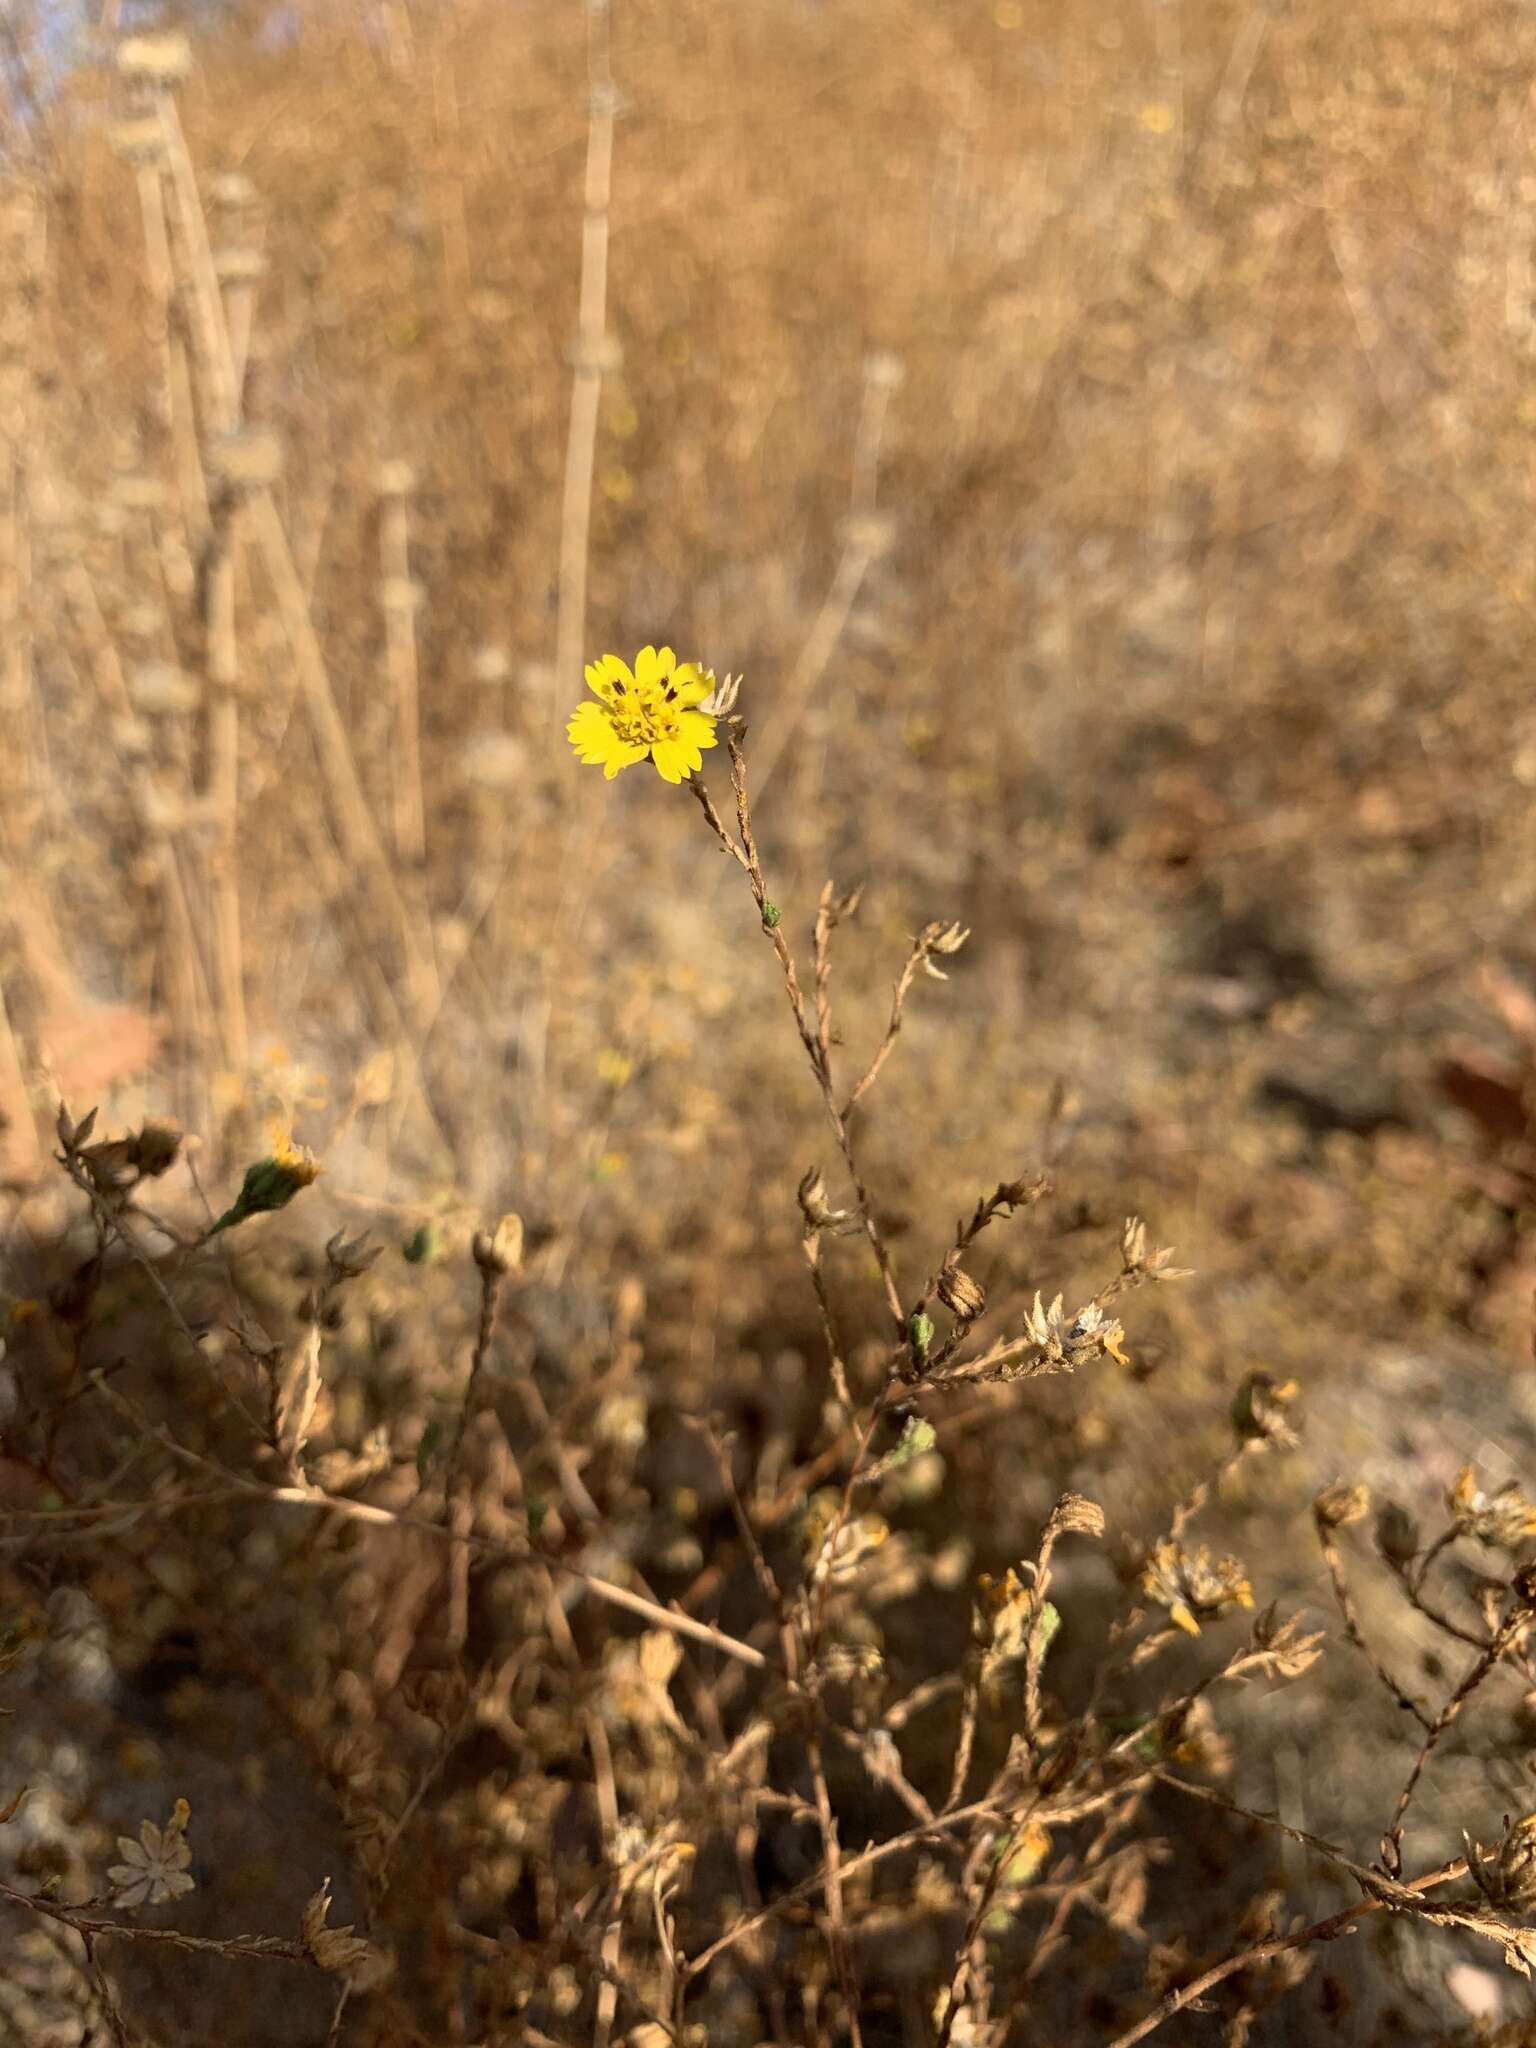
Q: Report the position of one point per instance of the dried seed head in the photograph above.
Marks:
(1075, 1515)
(156, 1147)
(1021, 1194)
(1192, 1586)
(338, 1948)
(1143, 1263)
(238, 265)
(1068, 1341)
(1288, 1651)
(155, 60)
(1503, 1520)
(1258, 1411)
(500, 1251)
(349, 1257)
(251, 459)
(231, 191)
(721, 701)
(833, 1551)
(1506, 1873)
(964, 1297)
(940, 938)
(1341, 1505)
(814, 1206)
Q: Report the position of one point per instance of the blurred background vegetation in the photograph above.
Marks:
(1103, 438)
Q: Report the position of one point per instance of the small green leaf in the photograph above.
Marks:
(772, 915)
(431, 1437)
(1048, 1626)
(423, 1247)
(918, 1436)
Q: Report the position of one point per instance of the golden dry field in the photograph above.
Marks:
(551, 1421)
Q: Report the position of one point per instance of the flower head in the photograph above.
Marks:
(1504, 1519)
(154, 1868)
(650, 712)
(1068, 1340)
(1191, 1586)
(272, 1182)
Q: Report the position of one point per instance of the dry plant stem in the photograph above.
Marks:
(398, 601)
(490, 1299)
(186, 989)
(236, 1485)
(19, 1145)
(203, 298)
(83, 1923)
(942, 1824)
(847, 581)
(1265, 1951)
(899, 996)
(768, 1585)
(1511, 1626)
(820, 646)
(458, 1509)
(587, 381)
(613, 1933)
(817, 1050)
(351, 818)
(21, 250)
(350, 814)
(832, 1871)
(970, 1958)
(224, 790)
(1399, 1696)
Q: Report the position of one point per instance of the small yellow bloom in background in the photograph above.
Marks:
(1008, 14)
(1157, 117)
(614, 1067)
(609, 1165)
(648, 713)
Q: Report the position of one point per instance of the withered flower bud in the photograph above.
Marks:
(156, 1148)
(940, 938)
(814, 1206)
(964, 1297)
(348, 1257)
(1075, 1515)
(1023, 1193)
(724, 691)
(1397, 1535)
(1258, 1410)
(500, 1251)
(1504, 1520)
(1341, 1505)
(1506, 1873)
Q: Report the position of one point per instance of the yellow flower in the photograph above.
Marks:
(650, 712)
